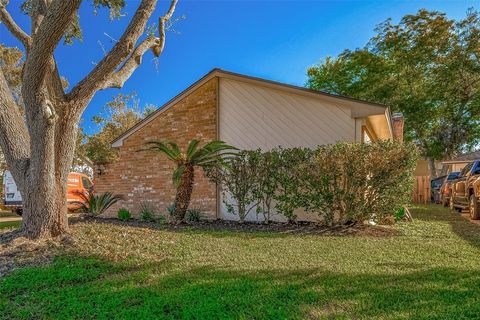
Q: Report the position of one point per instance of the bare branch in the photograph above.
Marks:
(161, 28)
(131, 64)
(87, 87)
(14, 28)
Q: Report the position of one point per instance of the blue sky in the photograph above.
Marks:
(276, 40)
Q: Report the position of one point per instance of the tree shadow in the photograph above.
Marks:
(459, 225)
(82, 287)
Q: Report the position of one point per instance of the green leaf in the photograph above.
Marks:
(192, 147)
(177, 175)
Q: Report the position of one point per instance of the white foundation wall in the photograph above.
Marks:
(252, 116)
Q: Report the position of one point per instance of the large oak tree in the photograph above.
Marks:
(39, 147)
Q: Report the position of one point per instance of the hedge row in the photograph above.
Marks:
(344, 182)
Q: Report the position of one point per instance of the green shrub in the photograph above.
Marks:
(343, 182)
(291, 175)
(239, 178)
(96, 204)
(161, 219)
(124, 214)
(346, 181)
(350, 181)
(267, 185)
(194, 215)
(171, 211)
(146, 212)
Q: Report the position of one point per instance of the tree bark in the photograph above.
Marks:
(44, 209)
(39, 149)
(432, 167)
(44, 194)
(184, 193)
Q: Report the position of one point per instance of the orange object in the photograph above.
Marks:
(78, 184)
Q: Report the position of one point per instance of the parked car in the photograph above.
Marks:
(446, 188)
(435, 187)
(77, 184)
(466, 190)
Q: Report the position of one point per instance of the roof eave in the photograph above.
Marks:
(359, 108)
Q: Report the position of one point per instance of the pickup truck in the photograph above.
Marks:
(465, 193)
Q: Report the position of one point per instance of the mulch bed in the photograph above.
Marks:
(253, 227)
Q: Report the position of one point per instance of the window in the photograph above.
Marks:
(366, 136)
(477, 170)
(466, 169)
(86, 183)
(452, 176)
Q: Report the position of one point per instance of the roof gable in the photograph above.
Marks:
(359, 108)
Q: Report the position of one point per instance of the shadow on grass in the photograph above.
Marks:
(75, 287)
(460, 225)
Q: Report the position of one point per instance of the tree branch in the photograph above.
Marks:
(14, 28)
(39, 10)
(54, 83)
(49, 33)
(14, 138)
(157, 45)
(123, 74)
(87, 87)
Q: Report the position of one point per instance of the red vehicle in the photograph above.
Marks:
(78, 184)
(446, 188)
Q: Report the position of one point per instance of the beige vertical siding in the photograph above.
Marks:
(252, 116)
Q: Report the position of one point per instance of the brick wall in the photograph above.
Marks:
(145, 177)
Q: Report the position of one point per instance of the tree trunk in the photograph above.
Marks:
(433, 169)
(184, 193)
(241, 212)
(44, 213)
(45, 184)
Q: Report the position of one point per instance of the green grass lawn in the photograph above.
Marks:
(430, 271)
(10, 224)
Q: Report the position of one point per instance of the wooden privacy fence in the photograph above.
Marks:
(421, 190)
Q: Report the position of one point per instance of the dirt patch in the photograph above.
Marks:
(17, 251)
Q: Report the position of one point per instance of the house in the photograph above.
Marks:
(457, 164)
(245, 112)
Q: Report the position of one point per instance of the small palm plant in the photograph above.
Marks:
(97, 204)
(183, 177)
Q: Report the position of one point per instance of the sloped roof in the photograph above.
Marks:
(466, 157)
(360, 108)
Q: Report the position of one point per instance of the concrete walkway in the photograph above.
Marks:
(8, 216)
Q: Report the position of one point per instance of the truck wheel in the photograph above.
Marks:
(444, 202)
(474, 208)
(19, 211)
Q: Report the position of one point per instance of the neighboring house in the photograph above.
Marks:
(243, 111)
(423, 168)
(457, 164)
